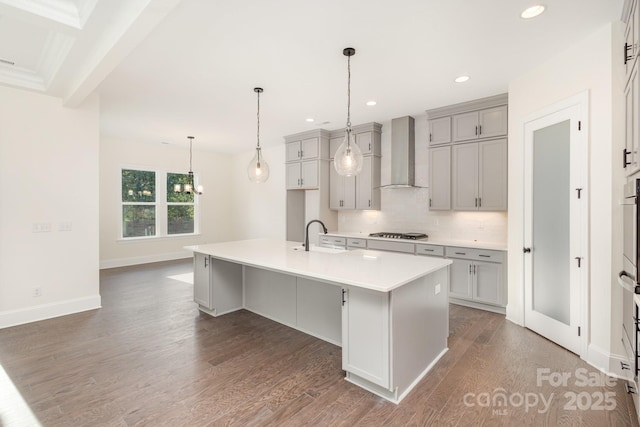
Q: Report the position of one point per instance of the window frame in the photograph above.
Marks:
(161, 206)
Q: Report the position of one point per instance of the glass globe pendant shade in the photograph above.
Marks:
(348, 158)
(258, 169)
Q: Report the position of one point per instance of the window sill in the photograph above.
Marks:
(156, 238)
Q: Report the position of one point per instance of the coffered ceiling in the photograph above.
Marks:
(166, 69)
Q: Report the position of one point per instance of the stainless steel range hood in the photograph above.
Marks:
(403, 142)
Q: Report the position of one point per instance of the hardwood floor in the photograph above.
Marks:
(150, 358)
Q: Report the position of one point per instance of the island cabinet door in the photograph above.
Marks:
(201, 287)
(365, 335)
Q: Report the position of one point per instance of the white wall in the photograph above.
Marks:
(48, 174)
(584, 66)
(259, 210)
(214, 171)
(407, 209)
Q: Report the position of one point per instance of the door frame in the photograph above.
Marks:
(581, 103)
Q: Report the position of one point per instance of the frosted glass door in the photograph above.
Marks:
(550, 221)
(555, 222)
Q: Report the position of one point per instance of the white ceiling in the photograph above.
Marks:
(166, 69)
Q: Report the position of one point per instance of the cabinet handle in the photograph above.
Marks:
(476, 202)
(206, 263)
(460, 253)
(301, 153)
(479, 202)
(429, 202)
(474, 269)
(344, 291)
(625, 153)
(428, 250)
(301, 181)
(624, 366)
(484, 256)
(627, 57)
(480, 130)
(430, 138)
(369, 202)
(629, 389)
(470, 268)
(476, 130)
(369, 146)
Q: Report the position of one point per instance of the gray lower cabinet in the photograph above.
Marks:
(217, 290)
(477, 276)
(201, 289)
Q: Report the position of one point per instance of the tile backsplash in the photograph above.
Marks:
(407, 210)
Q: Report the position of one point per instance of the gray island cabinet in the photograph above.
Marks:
(389, 312)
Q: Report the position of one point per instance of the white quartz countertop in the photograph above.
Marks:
(442, 242)
(376, 270)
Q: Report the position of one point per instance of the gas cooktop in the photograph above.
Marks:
(407, 236)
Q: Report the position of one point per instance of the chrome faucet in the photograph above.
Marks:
(306, 233)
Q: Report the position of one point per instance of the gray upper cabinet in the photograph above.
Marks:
(342, 190)
(307, 159)
(368, 184)
(486, 123)
(632, 92)
(362, 191)
(304, 149)
(479, 176)
(468, 155)
(440, 131)
(440, 178)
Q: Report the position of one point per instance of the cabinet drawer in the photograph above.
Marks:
(356, 243)
(475, 254)
(332, 240)
(432, 250)
(384, 245)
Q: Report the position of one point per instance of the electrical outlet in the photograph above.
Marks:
(37, 292)
(65, 226)
(41, 227)
(438, 288)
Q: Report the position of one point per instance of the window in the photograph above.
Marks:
(138, 203)
(180, 206)
(152, 208)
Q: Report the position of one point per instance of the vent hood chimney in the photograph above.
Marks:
(403, 142)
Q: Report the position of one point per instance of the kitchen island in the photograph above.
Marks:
(389, 312)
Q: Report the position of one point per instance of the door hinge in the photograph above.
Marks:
(579, 259)
(579, 125)
(579, 331)
(579, 190)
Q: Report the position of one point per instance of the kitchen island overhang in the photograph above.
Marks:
(388, 311)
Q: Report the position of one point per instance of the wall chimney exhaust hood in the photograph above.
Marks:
(403, 143)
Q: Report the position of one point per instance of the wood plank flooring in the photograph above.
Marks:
(150, 358)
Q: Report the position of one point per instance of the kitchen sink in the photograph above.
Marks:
(322, 249)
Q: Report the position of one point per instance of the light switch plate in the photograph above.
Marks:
(438, 288)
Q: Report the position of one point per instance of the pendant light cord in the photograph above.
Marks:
(349, 93)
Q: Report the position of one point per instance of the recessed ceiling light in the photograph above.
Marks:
(532, 11)
(461, 79)
(371, 103)
(310, 120)
(165, 143)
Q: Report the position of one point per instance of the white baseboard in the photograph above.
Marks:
(598, 358)
(124, 262)
(48, 311)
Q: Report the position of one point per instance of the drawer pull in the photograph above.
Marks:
(624, 366)
(485, 256)
(460, 253)
(429, 250)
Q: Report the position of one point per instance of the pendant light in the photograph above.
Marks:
(258, 169)
(348, 158)
(189, 187)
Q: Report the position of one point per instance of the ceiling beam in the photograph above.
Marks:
(137, 21)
